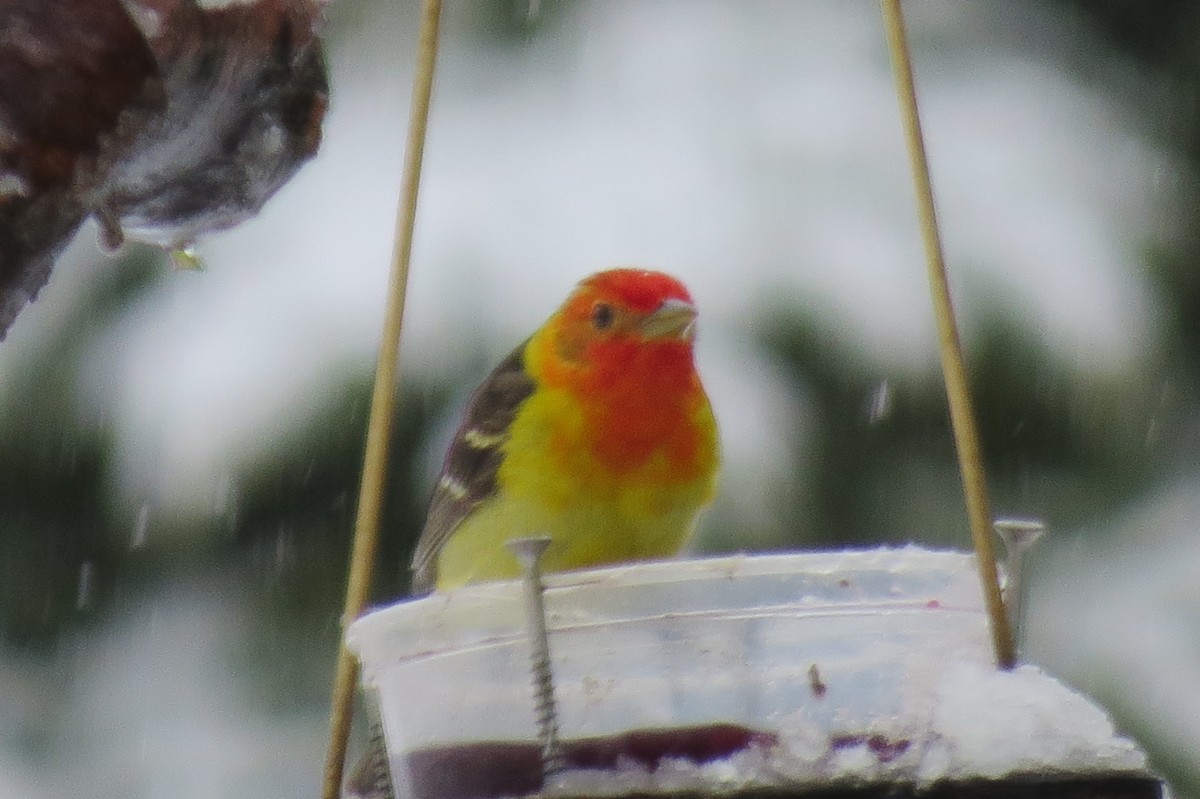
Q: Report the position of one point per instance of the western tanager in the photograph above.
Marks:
(596, 431)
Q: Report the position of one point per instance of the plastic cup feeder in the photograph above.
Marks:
(869, 672)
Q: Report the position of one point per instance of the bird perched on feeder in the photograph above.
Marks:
(596, 432)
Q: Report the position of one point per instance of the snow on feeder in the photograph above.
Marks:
(868, 672)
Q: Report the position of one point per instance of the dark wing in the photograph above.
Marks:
(469, 473)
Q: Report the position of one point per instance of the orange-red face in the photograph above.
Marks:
(619, 311)
(619, 355)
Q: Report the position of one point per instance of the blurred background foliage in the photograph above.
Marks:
(878, 463)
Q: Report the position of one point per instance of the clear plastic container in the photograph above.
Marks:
(722, 673)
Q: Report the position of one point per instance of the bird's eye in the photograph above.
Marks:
(603, 316)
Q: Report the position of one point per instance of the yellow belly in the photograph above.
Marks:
(550, 485)
(583, 535)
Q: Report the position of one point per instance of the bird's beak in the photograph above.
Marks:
(673, 319)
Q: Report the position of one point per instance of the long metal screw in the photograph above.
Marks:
(1018, 535)
(529, 552)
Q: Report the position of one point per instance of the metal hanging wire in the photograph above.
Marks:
(379, 426)
(954, 370)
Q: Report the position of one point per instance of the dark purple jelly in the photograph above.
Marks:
(506, 768)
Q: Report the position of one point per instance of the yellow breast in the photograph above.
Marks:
(552, 483)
